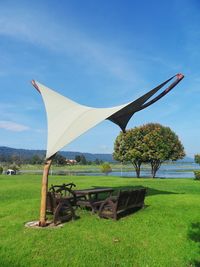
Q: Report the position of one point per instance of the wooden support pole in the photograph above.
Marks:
(47, 165)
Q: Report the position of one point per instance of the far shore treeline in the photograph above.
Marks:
(31, 156)
(8, 154)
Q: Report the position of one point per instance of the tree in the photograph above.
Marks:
(129, 148)
(197, 172)
(36, 160)
(16, 159)
(106, 168)
(97, 161)
(59, 159)
(161, 144)
(78, 158)
(197, 158)
(151, 143)
(3, 158)
(83, 160)
(1, 169)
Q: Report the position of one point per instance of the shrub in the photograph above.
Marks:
(197, 175)
(1, 169)
(106, 168)
(14, 167)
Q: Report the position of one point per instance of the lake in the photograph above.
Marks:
(170, 170)
(174, 170)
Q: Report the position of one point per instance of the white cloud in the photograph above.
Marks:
(13, 126)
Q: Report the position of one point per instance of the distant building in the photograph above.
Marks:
(71, 161)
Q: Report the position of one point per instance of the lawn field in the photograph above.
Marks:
(165, 233)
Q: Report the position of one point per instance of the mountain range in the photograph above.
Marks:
(29, 153)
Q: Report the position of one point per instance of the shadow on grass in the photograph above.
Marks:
(153, 191)
(194, 235)
(131, 211)
(150, 191)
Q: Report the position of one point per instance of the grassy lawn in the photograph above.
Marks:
(165, 233)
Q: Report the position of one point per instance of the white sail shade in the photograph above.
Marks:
(67, 119)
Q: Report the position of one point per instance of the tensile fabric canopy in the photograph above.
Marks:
(67, 119)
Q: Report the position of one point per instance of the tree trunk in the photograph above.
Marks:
(47, 165)
(137, 165)
(155, 165)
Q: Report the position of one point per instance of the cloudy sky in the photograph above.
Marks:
(100, 54)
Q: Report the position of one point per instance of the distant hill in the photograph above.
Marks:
(88, 156)
(29, 153)
(186, 159)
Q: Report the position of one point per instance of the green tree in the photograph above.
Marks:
(16, 159)
(78, 158)
(197, 172)
(151, 143)
(106, 168)
(59, 159)
(1, 169)
(197, 158)
(83, 160)
(97, 161)
(36, 160)
(129, 148)
(3, 158)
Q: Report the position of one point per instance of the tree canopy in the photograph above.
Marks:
(36, 160)
(151, 143)
(59, 159)
(105, 168)
(197, 158)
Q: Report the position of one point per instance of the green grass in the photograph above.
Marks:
(165, 233)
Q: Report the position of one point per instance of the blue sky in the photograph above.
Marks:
(100, 54)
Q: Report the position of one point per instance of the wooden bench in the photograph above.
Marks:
(92, 197)
(124, 201)
(60, 202)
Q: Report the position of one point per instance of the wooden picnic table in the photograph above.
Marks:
(92, 197)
